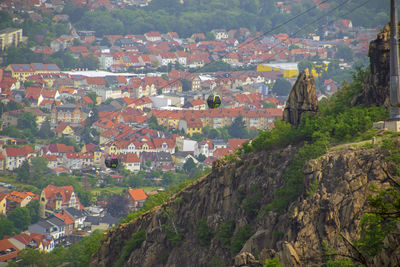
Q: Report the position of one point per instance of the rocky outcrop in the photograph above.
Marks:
(302, 99)
(375, 88)
(336, 188)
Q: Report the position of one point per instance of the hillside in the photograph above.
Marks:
(333, 200)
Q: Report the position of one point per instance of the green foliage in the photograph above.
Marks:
(45, 131)
(79, 254)
(33, 208)
(385, 205)
(216, 66)
(313, 187)
(281, 87)
(282, 134)
(186, 85)
(268, 104)
(341, 262)
(7, 227)
(274, 262)
(34, 257)
(133, 243)
(250, 203)
(293, 176)
(225, 232)
(20, 217)
(344, 52)
(238, 128)
(373, 231)
(238, 240)
(203, 232)
(23, 172)
(173, 234)
(217, 262)
(189, 165)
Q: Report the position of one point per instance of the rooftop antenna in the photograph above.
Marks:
(394, 64)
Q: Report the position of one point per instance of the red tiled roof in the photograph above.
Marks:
(60, 148)
(137, 194)
(24, 238)
(87, 99)
(18, 151)
(131, 158)
(10, 251)
(51, 192)
(50, 157)
(197, 102)
(20, 196)
(236, 143)
(65, 217)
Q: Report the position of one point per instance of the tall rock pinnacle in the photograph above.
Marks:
(302, 99)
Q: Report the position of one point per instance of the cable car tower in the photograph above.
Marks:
(394, 122)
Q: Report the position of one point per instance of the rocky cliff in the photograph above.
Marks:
(375, 89)
(302, 99)
(210, 221)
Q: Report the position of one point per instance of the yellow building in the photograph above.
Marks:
(64, 129)
(3, 203)
(10, 37)
(288, 70)
(190, 126)
(22, 71)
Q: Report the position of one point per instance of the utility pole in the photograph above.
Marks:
(394, 121)
(394, 64)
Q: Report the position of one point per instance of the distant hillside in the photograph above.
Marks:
(205, 15)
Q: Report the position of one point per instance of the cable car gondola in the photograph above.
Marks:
(111, 162)
(214, 101)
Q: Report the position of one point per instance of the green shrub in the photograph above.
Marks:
(293, 176)
(173, 236)
(133, 243)
(274, 262)
(238, 240)
(342, 262)
(225, 232)
(203, 232)
(250, 203)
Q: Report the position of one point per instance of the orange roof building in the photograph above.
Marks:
(7, 251)
(19, 199)
(54, 198)
(136, 198)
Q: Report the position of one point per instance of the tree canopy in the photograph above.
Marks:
(281, 87)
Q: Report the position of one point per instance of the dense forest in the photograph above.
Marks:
(204, 15)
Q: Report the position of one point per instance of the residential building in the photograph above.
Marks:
(8, 251)
(15, 156)
(17, 199)
(101, 222)
(3, 203)
(78, 216)
(54, 198)
(68, 113)
(68, 221)
(44, 242)
(190, 126)
(22, 71)
(58, 229)
(131, 162)
(136, 198)
(10, 37)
